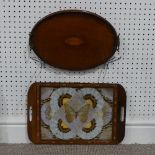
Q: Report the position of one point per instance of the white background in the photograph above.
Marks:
(133, 20)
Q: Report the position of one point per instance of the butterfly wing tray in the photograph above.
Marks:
(76, 113)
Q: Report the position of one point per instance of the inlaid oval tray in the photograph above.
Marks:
(73, 40)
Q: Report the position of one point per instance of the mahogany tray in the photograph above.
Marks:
(74, 39)
(76, 113)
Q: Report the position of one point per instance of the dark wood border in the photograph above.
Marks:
(118, 127)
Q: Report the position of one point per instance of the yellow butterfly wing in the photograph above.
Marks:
(69, 112)
(83, 113)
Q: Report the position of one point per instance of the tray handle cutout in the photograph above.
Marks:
(30, 114)
(122, 116)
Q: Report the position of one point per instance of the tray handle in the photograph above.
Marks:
(121, 113)
(32, 114)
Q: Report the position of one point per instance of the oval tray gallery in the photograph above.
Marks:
(76, 113)
(73, 40)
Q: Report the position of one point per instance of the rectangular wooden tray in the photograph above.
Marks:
(76, 113)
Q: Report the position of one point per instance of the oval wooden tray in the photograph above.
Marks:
(73, 40)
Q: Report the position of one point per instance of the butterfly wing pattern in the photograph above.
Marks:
(76, 113)
(84, 112)
(69, 113)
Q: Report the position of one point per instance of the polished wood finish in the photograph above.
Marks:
(74, 40)
(118, 126)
